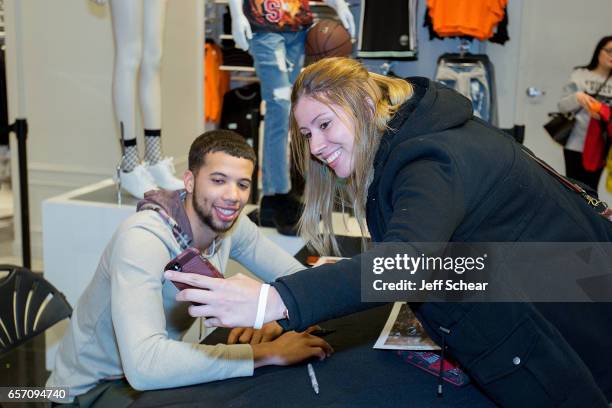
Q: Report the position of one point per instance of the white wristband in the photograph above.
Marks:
(261, 306)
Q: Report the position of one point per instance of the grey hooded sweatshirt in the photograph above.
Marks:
(128, 323)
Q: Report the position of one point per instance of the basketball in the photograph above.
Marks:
(327, 38)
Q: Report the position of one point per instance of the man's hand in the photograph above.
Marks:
(290, 348)
(245, 335)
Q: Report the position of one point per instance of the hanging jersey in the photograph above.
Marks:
(397, 39)
(472, 75)
(476, 18)
(216, 82)
(278, 15)
(241, 111)
(499, 37)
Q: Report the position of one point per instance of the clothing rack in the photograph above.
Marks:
(463, 62)
(464, 47)
(239, 78)
(386, 68)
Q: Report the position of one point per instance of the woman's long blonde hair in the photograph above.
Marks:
(369, 100)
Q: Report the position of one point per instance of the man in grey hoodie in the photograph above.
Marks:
(128, 323)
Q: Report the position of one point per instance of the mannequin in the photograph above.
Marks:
(138, 28)
(274, 33)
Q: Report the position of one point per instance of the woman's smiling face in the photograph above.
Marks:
(330, 139)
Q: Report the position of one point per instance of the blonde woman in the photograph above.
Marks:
(416, 166)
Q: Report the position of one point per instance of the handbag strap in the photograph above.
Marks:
(600, 206)
(602, 85)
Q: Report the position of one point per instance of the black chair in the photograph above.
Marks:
(29, 305)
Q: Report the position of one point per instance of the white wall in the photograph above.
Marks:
(65, 81)
(505, 59)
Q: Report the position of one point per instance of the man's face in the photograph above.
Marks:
(220, 189)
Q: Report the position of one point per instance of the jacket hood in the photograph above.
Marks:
(433, 108)
(172, 203)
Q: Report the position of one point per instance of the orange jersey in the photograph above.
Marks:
(475, 18)
(216, 82)
(278, 15)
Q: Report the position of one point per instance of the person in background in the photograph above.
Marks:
(587, 86)
(414, 163)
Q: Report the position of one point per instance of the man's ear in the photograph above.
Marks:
(189, 180)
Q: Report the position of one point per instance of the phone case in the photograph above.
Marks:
(191, 261)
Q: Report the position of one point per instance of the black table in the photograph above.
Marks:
(354, 376)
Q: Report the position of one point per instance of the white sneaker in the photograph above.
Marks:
(137, 182)
(163, 174)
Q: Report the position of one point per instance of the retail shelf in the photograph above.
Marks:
(236, 68)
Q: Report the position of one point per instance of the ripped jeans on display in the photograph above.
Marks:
(472, 81)
(279, 57)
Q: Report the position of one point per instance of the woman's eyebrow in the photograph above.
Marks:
(316, 117)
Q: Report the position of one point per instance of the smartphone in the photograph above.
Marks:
(191, 261)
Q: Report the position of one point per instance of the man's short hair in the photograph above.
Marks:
(219, 140)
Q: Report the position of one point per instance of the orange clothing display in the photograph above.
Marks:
(475, 18)
(216, 82)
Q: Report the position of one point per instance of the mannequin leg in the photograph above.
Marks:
(162, 171)
(150, 83)
(127, 18)
(273, 68)
(295, 56)
(268, 50)
(295, 45)
(127, 23)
